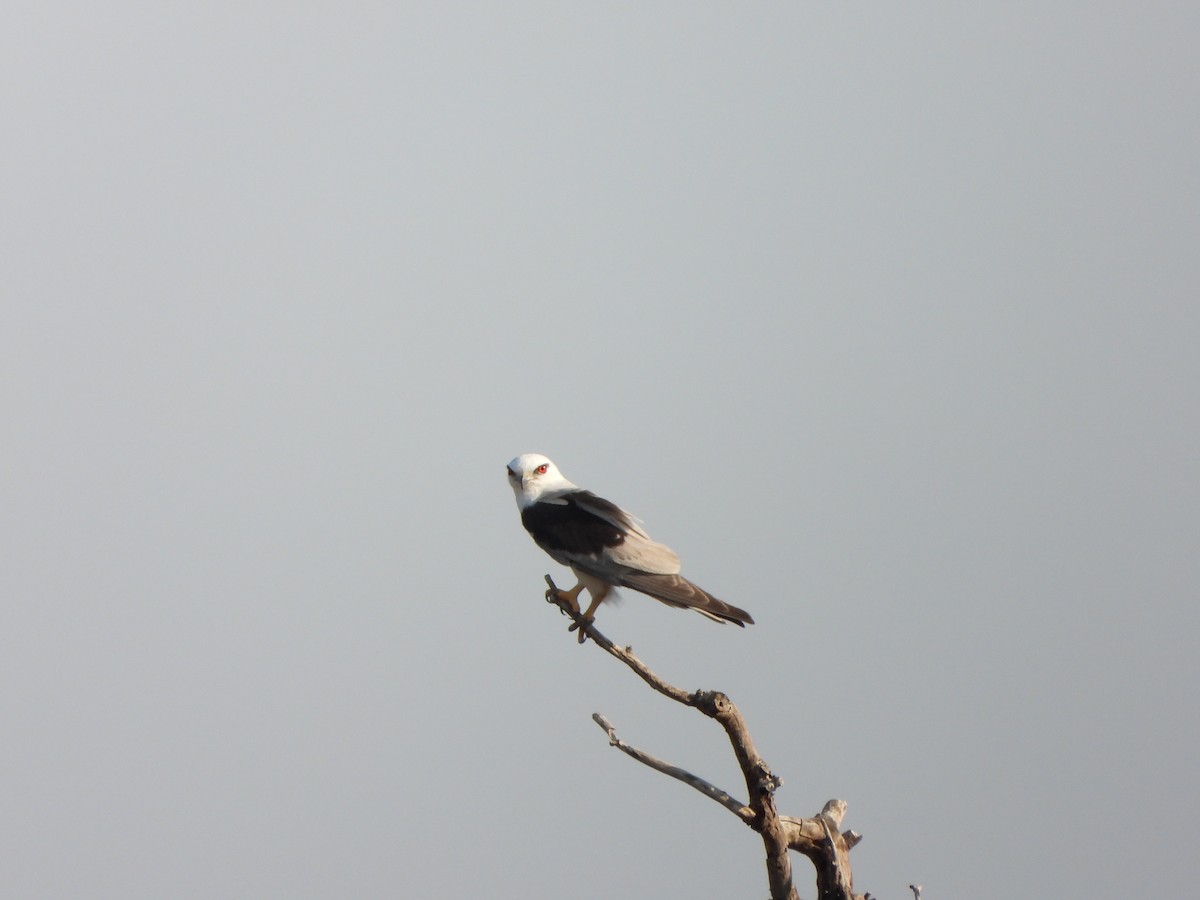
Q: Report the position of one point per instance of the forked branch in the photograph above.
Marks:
(819, 838)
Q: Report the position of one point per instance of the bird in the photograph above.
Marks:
(602, 544)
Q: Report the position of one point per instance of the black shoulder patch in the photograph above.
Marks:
(567, 528)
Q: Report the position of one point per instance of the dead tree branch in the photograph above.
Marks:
(819, 838)
(745, 813)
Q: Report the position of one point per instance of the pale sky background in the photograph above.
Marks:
(885, 317)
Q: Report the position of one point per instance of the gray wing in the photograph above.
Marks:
(647, 566)
(635, 553)
(638, 554)
(609, 512)
(675, 590)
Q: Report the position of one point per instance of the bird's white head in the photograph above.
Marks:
(533, 477)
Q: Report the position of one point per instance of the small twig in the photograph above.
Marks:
(743, 812)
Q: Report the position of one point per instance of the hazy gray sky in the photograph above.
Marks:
(884, 317)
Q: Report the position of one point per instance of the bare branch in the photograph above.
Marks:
(625, 654)
(817, 838)
(709, 790)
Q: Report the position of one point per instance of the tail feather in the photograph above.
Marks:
(675, 590)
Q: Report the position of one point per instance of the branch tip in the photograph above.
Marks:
(835, 810)
(609, 728)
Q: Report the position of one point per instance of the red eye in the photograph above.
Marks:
(541, 470)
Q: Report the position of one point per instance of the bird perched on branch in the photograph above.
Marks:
(602, 544)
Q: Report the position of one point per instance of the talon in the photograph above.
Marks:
(571, 597)
(575, 626)
(569, 601)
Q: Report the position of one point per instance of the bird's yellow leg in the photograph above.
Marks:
(590, 615)
(571, 597)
